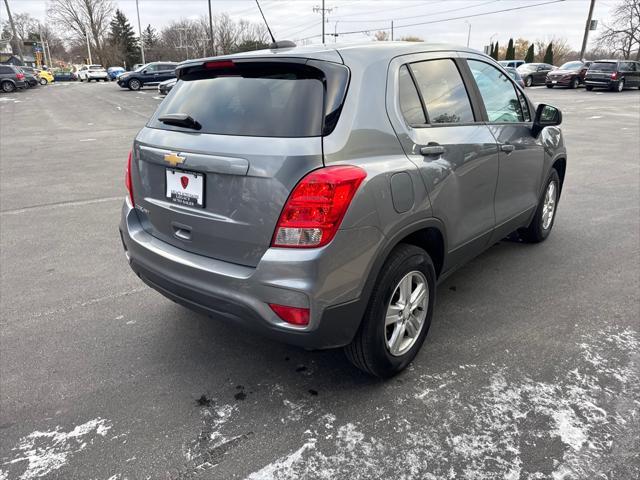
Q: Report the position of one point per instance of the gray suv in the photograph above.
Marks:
(319, 194)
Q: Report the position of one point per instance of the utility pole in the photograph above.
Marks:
(13, 30)
(322, 10)
(50, 64)
(586, 30)
(468, 34)
(211, 30)
(86, 34)
(392, 30)
(140, 33)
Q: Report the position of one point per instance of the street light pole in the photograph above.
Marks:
(468, 34)
(13, 30)
(140, 33)
(211, 30)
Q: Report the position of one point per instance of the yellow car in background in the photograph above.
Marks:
(45, 77)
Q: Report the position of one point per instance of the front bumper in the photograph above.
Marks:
(562, 81)
(328, 281)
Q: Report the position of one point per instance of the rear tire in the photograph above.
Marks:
(8, 87)
(620, 85)
(549, 85)
(370, 350)
(43, 81)
(541, 225)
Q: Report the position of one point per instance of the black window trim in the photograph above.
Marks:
(474, 110)
(478, 95)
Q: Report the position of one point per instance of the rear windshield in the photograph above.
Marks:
(603, 66)
(268, 104)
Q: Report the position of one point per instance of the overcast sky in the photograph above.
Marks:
(295, 19)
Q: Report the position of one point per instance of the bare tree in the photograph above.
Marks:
(622, 35)
(83, 17)
(381, 36)
(411, 38)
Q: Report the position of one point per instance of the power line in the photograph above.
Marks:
(449, 19)
(388, 9)
(423, 15)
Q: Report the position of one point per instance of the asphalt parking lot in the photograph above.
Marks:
(530, 370)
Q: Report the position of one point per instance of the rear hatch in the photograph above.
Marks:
(601, 70)
(215, 165)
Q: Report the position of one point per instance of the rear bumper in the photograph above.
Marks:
(600, 83)
(325, 280)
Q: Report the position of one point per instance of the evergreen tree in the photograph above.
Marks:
(496, 52)
(548, 55)
(123, 39)
(491, 50)
(149, 37)
(528, 58)
(511, 51)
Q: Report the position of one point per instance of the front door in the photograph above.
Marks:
(457, 155)
(521, 154)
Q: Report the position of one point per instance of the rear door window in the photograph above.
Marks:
(443, 91)
(498, 93)
(409, 99)
(268, 103)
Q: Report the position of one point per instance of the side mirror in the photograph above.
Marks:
(546, 116)
(144, 71)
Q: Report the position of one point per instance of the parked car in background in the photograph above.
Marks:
(511, 63)
(115, 72)
(30, 76)
(11, 78)
(46, 77)
(92, 72)
(305, 195)
(515, 75)
(150, 74)
(613, 74)
(166, 86)
(534, 73)
(570, 74)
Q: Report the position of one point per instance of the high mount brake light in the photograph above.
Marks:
(220, 64)
(127, 179)
(316, 207)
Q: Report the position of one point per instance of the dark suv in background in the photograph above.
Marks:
(150, 74)
(11, 78)
(613, 74)
(570, 74)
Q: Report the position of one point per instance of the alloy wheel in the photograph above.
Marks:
(406, 313)
(621, 85)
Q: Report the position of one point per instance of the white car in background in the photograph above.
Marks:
(92, 72)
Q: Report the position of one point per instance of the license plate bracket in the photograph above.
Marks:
(185, 188)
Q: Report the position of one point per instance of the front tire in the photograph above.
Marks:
(398, 315)
(134, 84)
(574, 83)
(542, 222)
(8, 87)
(528, 81)
(43, 81)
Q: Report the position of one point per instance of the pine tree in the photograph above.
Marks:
(548, 55)
(528, 58)
(123, 39)
(491, 50)
(511, 51)
(496, 52)
(149, 37)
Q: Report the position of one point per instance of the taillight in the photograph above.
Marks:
(614, 75)
(127, 179)
(20, 76)
(316, 207)
(292, 315)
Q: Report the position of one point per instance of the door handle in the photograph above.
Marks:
(432, 150)
(506, 147)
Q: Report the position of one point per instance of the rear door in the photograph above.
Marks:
(521, 154)
(455, 151)
(218, 190)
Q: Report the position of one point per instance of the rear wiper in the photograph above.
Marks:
(180, 120)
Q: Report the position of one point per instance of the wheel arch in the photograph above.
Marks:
(560, 165)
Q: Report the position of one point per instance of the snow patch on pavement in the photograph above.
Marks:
(43, 452)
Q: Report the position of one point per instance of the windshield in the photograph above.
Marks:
(139, 69)
(571, 66)
(603, 66)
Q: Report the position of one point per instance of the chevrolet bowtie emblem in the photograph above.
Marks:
(173, 159)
